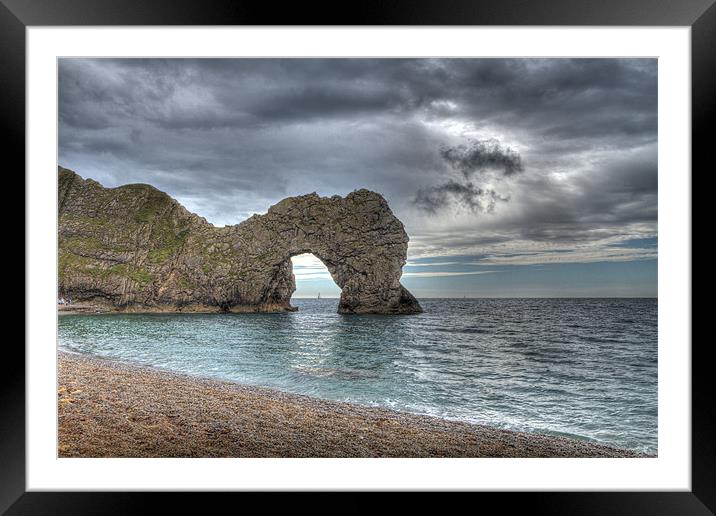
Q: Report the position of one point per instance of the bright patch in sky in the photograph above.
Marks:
(312, 278)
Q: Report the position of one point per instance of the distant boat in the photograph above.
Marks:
(319, 295)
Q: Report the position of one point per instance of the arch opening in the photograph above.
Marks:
(313, 279)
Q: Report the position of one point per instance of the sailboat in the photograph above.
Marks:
(319, 295)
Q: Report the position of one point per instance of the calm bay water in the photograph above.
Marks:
(585, 368)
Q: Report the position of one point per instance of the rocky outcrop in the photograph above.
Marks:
(134, 248)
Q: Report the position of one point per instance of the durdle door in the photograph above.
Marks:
(134, 248)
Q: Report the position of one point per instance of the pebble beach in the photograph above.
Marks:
(109, 408)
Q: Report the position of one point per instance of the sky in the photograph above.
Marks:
(513, 177)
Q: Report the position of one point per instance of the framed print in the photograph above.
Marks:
(417, 249)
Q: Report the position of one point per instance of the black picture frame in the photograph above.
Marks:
(16, 15)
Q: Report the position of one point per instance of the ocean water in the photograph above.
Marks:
(584, 368)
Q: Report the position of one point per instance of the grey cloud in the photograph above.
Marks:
(472, 159)
(467, 194)
(229, 137)
(479, 155)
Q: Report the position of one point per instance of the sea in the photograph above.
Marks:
(581, 368)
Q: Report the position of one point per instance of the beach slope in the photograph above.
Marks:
(114, 409)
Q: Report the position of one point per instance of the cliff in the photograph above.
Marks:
(134, 248)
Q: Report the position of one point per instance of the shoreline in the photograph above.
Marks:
(91, 309)
(111, 408)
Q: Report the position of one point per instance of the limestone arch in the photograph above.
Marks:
(134, 248)
(359, 240)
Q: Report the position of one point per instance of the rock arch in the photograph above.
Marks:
(361, 242)
(136, 248)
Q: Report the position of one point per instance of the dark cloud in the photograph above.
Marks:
(481, 155)
(475, 158)
(444, 140)
(467, 194)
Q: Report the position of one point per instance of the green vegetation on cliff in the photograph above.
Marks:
(110, 235)
(134, 247)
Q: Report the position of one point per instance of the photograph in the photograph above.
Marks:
(357, 257)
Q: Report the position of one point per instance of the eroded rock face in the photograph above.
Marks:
(134, 248)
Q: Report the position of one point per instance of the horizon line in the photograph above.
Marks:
(508, 297)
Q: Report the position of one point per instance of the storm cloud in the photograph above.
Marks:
(474, 159)
(479, 156)
(488, 157)
(467, 194)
